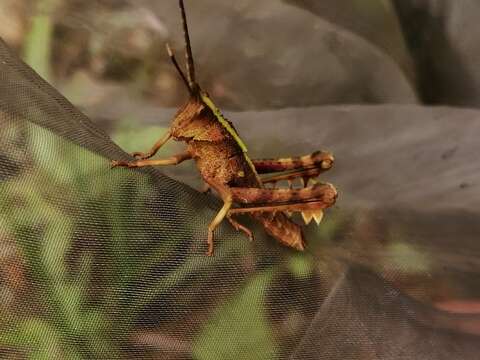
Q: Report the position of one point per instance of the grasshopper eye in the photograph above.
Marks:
(327, 163)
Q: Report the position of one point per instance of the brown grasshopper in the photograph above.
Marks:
(221, 157)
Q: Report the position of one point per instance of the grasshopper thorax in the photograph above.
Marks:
(190, 119)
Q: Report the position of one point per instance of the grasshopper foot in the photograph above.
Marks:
(210, 240)
(210, 244)
(114, 164)
(119, 163)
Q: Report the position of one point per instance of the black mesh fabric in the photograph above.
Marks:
(109, 264)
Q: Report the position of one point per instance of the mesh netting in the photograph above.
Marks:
(109, 264)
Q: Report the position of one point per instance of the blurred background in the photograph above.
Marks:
(379, 51)
(391, 87)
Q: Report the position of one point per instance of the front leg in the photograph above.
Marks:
(174, 160)
(154, 149)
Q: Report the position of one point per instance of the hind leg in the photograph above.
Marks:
(319, 159)
(309, 201)
(303, 167)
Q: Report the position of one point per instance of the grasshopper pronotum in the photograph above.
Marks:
(221, 157)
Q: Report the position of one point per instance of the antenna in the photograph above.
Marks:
(174, 61)
(188, 54)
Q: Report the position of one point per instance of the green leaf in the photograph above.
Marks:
(239, 328)
(55, 246)
(192, 265)
(37, 50)
(36, 336)
(330, 225)
(94, 322)
(65, 162)
(301, 265)
(401, 255)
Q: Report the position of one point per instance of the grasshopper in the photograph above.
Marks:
(222, 160)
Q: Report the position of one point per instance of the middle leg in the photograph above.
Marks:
(240, 227)
(224, 192)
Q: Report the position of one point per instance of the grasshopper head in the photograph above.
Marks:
(190, 120)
